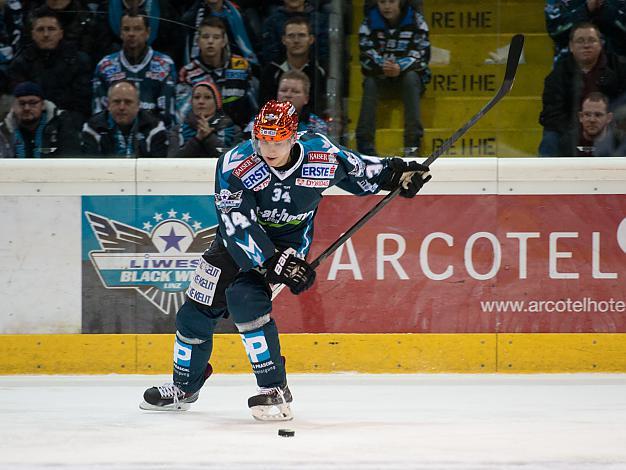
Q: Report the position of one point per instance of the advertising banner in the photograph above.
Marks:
(468, 264)
(138, 253)
(434, 264)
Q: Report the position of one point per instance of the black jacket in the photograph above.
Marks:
(225, 136)
(60, 136)
(150, 138)
(64, 74)
(562, 92)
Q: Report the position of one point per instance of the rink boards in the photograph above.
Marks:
(510, 265)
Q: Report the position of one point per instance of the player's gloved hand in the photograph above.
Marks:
(410, 175)
(286, 268)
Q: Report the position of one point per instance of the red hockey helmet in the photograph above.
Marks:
(277, 120)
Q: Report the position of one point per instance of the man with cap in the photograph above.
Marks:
(206, 131)
(37, 128)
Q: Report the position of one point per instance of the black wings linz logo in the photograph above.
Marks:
(157, 262)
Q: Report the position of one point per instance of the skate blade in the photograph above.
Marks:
(180, 406)
(272, 412)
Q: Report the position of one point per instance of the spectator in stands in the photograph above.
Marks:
(585, 69)
(206, 130)
(298, 39)
(153, 72)
(395, 50)
(85, 29)
(165, 36)
(63, 72)
(123, 129)
(595, 120)
(294, 86)
(231, 73)
(608, 15)
(418, 5)
(37, 128)
(613, 144)
(273, 30)
(236, 30)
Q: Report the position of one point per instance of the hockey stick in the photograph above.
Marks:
(515, 51)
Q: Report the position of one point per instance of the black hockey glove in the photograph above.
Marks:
(286, 268)
(410, 175)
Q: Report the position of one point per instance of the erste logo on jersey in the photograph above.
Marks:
(318, 170)
(253, 173)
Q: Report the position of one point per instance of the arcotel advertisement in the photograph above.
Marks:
(468, 264)
(434, 264)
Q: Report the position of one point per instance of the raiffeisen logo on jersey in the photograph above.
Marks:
(157, 260)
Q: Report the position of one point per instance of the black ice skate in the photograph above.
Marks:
(169, 397)
(271, 404)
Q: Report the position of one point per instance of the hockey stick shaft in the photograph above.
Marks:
(515, 52)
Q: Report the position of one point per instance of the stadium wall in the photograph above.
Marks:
(499, 265)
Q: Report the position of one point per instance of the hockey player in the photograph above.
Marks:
(267, 192)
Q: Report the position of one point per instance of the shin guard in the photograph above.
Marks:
(263, 349)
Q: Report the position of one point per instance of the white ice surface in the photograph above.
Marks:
(347, 421)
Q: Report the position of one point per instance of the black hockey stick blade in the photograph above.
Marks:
(515, 52)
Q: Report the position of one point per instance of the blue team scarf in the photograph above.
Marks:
(187, 131)
(20, 144)
(123, 147)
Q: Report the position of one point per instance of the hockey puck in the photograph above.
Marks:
(286, 432)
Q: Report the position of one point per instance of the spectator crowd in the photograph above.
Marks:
(153, 78)
(158, 78)
(584, 106)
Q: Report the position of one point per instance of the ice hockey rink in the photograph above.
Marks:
(343, 421)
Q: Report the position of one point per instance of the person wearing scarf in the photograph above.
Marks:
(124, 130)
(206, 131)
(36, 127)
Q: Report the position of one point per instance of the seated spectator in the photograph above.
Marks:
(236, 30)
(165, 36)
(613, 144)
(231, 73)
(394, 54)
(63, 72)
(273, 49)
(595, 120)
(85, 29)
(206, 130)
(294, 86)
(585, 69)
(123, 129)
(153, 72)
(36, 128)
(608, 15)
(298, 40)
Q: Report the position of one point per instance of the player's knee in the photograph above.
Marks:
(249, 303)
(196, 322)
